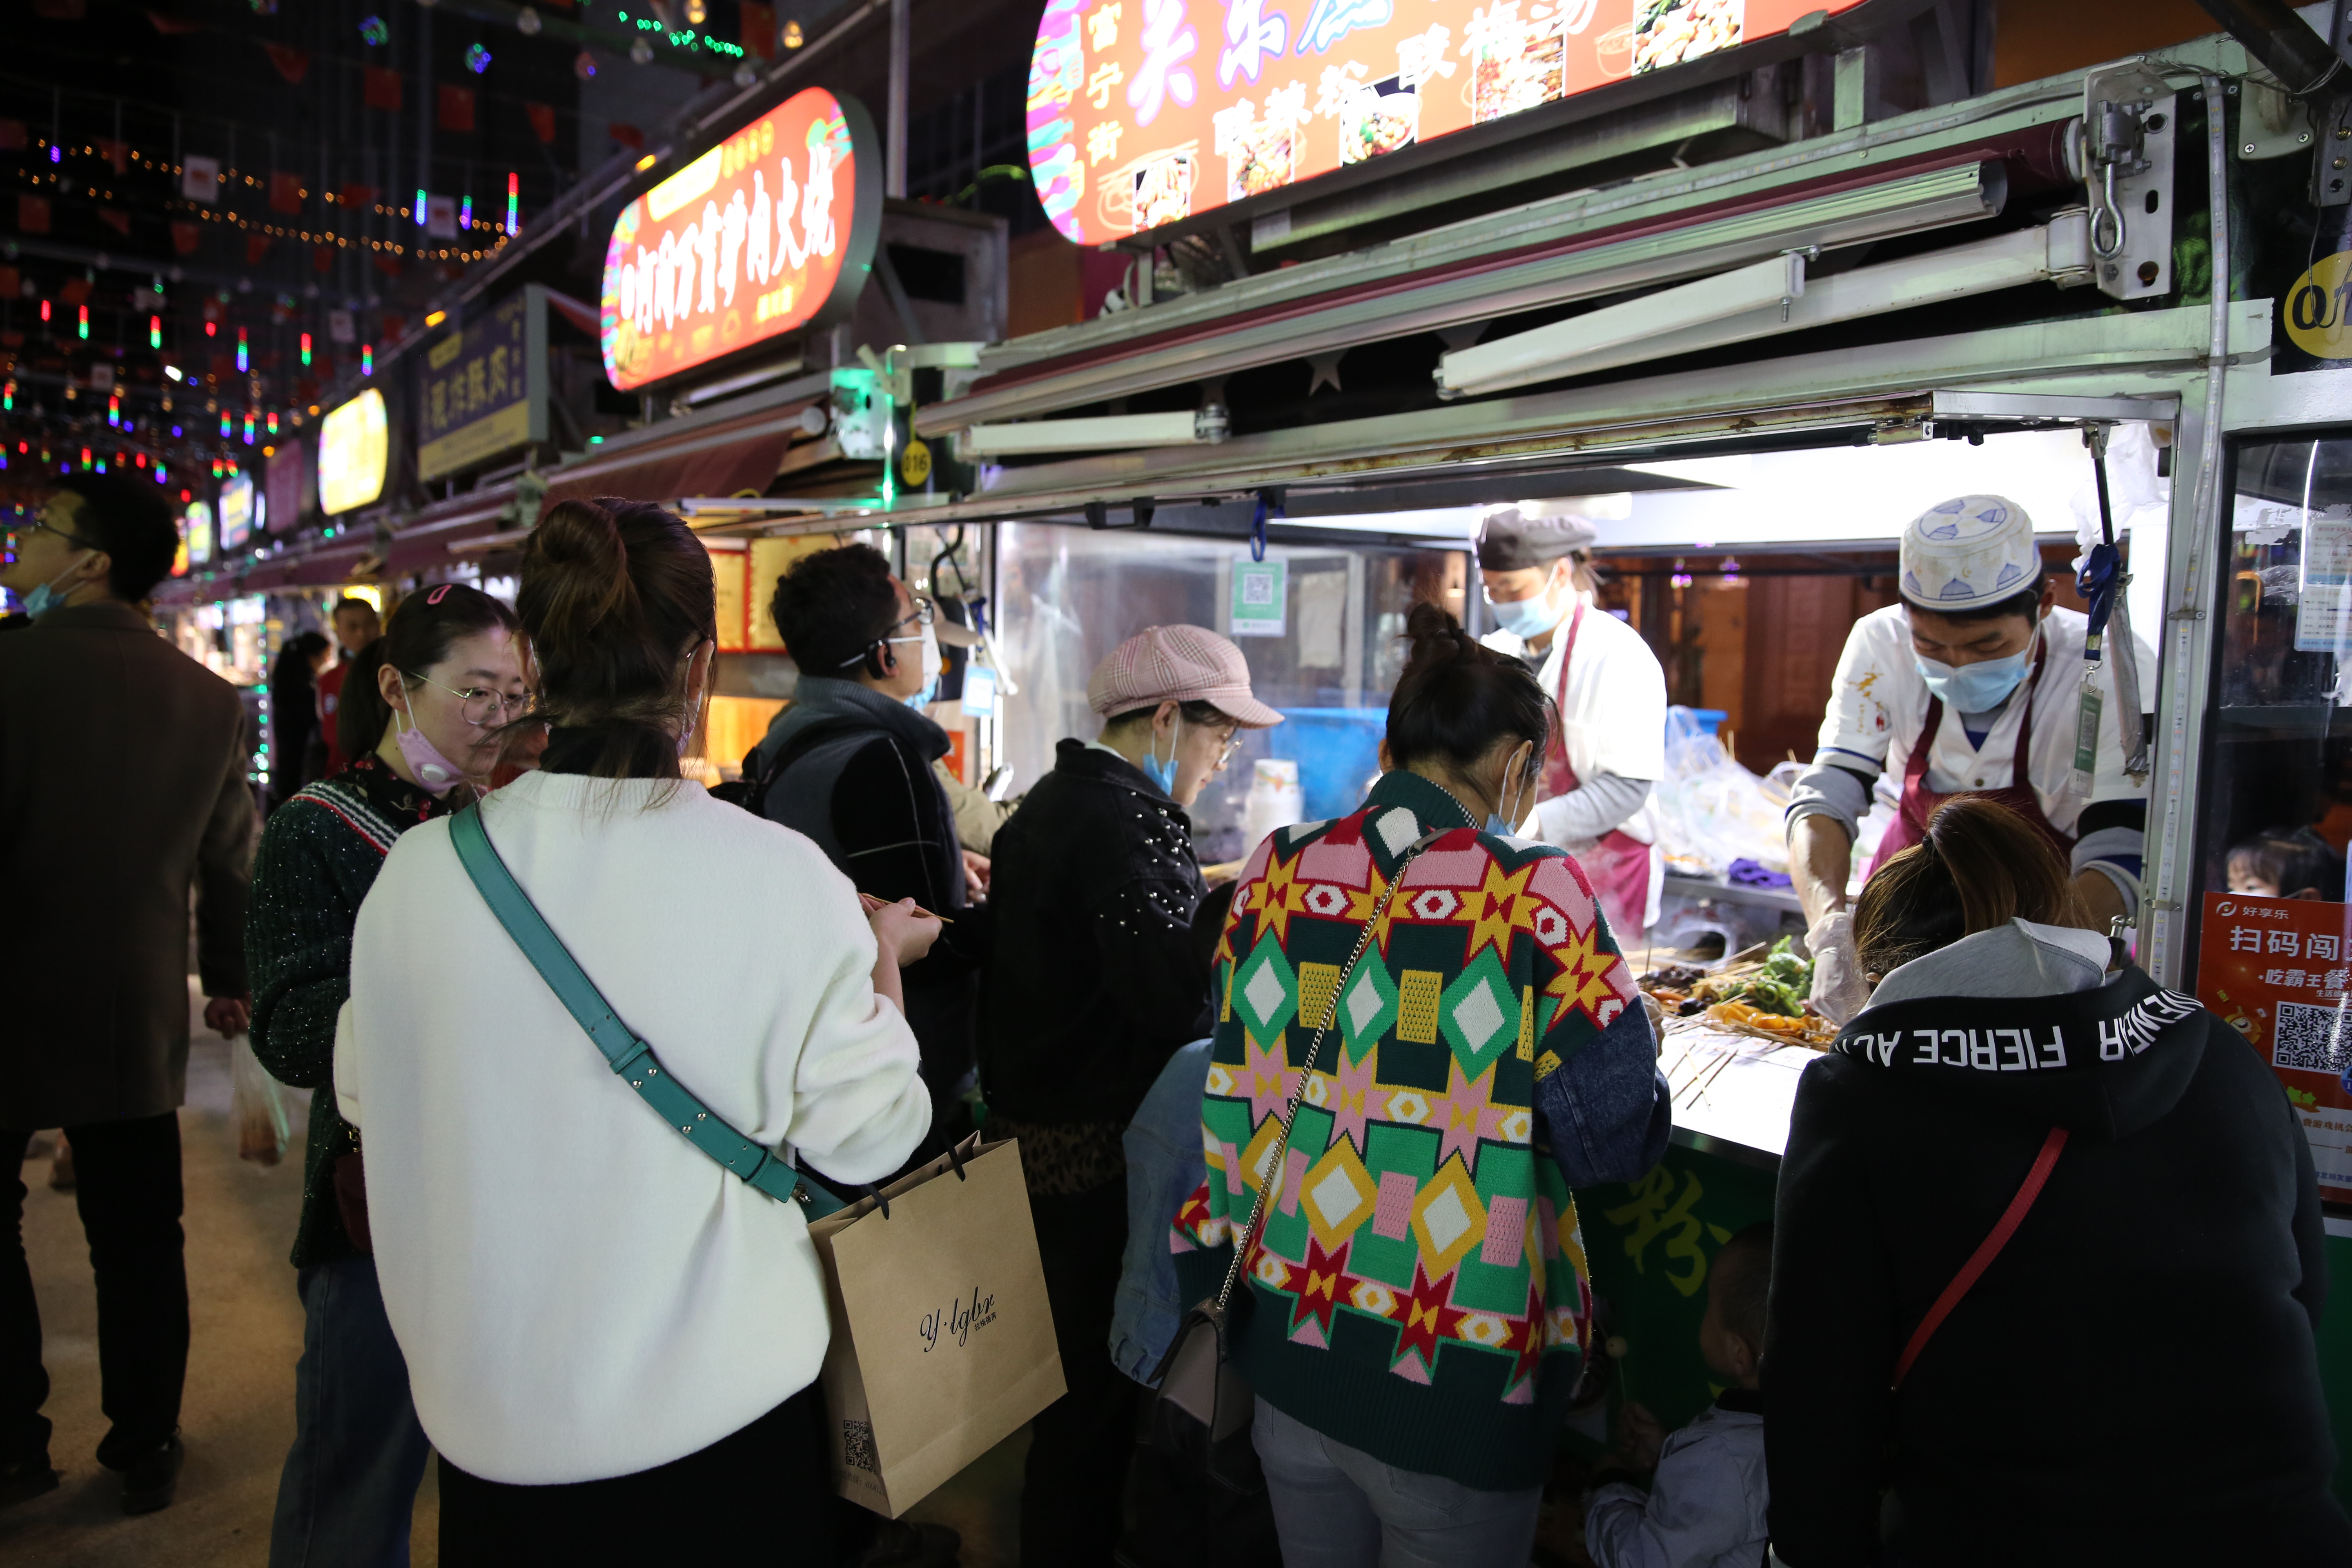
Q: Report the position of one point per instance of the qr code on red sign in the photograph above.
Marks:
(2308, 1037)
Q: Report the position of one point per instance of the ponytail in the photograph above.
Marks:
(616, 595)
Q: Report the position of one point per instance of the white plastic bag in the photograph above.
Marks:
(1711, 810)
(259, 1107)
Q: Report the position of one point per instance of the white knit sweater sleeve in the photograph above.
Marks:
(857, 1106)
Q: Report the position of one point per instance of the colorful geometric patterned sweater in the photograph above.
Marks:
(1420, 1291)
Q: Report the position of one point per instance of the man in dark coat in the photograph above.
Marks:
(122, 781)
(849, 763)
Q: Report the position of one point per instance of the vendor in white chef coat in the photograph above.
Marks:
(1610, 748)
(1971, 685)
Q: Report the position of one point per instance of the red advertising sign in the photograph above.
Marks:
(2280, 970)
(1144, 111)
(769, 231)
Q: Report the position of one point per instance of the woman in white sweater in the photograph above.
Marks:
(612, 1341)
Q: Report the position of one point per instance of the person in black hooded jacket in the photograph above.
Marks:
(2133, 1377)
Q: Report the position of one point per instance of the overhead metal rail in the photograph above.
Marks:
(1766, 298)
(2129, 363)
(1963, 191)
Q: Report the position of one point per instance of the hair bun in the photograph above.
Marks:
(585, 569)
(1434, 633)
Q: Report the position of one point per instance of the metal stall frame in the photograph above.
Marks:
(2182, 365)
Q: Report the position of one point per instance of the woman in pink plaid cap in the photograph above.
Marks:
(1093, 986)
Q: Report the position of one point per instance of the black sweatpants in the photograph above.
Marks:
(127, 1187)
(761, 1494)
(1079, 1444)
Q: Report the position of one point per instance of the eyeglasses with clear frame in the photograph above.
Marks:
(482, 706)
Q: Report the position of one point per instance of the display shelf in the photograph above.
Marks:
(1678, 885)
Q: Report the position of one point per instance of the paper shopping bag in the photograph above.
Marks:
(943, 1342)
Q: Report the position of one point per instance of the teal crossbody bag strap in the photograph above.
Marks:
(631, 1059)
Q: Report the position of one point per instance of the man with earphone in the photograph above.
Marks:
(849, 764)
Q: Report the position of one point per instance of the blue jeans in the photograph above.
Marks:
(1337, 1507)
(350, 1484)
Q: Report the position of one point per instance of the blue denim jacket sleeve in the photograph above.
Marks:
(1606, 1109)
(1164, 1164)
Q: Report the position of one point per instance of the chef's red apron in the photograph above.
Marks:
(1618, 865)
(1919, 803)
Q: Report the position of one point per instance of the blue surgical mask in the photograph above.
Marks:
(1163, 774)
(1526, 619)
(933, 663)
(45, 597)
(1977, 688)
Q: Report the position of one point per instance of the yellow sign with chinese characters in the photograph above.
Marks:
(477, 395)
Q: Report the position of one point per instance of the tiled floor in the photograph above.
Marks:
(239, 1411)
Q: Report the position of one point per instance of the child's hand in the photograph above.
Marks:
(1640, 1435)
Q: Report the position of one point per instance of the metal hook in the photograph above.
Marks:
(2107, 211)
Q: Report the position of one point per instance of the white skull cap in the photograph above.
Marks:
(1968, 553)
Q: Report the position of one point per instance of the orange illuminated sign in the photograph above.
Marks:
(771, 230)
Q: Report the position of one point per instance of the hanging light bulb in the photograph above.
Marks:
(642, 52)
(527, 24)
(696, 11)
(793, 39)
(583, 65)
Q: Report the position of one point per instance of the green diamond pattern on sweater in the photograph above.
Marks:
(1419, 1287)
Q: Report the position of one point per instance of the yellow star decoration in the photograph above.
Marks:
(1362, 902)
(1501, 906)
(1583, 979)
(1280, 895)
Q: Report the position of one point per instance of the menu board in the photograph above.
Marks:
(1144, 111)
(771, 230)
(2279, 971)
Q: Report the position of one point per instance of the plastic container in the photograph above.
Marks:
(1275, 800)
(1338, 754)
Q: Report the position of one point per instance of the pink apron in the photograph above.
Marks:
(1618, 865)
(1919, 802)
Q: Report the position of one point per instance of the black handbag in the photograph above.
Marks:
(1201, 1405)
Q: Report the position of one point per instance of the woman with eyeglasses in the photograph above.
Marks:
(614, 1341)
(422, 712)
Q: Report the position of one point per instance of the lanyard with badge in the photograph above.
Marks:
(2102, 582)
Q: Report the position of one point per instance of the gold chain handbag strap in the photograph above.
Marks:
(1290, 1110)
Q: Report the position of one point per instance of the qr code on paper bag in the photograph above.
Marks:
(2308, 1037)
(857, 1446)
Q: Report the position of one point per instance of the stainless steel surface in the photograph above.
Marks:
(2191, 632)
(1909, 205)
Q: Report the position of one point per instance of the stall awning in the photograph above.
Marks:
(720, 453)
(423, 541)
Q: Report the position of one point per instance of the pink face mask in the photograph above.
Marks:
(436, 773)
